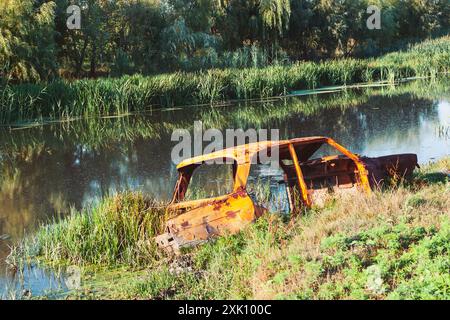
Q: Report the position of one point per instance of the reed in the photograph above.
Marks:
(118, 230)
(96, 133)
(115, 96)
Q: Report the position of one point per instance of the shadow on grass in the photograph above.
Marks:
(433, 177)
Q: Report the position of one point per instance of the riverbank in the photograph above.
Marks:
(97, 132)
(114, 96)
(394, 244)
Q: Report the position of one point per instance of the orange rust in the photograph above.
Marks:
(301, 180)
(198, 220)
(363, 174)
(232, 214)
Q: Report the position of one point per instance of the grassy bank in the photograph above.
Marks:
(61, 99)
(96, 133)
(118, 230)
(394, 244)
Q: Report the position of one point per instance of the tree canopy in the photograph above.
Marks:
(153, 36)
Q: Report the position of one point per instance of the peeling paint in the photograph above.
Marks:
(314, 180)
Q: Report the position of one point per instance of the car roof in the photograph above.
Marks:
(256, 147)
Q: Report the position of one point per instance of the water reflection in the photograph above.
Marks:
(46, 170)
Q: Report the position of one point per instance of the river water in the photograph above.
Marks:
(46, 170)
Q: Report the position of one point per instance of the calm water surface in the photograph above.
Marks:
(46, 170)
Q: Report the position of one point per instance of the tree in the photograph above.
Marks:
(303, 35)
(27, 47)
(432, 16)
(91, 44)
(136, 30)
(151, 36)
(254, 20)
(275, 14)
(343, 21)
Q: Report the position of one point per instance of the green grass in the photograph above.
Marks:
(110, 96)
(118, 230)
(101, 132)
(391, 245)
(399, 261)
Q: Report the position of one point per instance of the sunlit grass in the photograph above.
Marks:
(356, 247)
(118, 230)
(115, 96)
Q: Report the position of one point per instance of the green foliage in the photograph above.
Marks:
(161, 285)
(27, 47)
(122, 64)
(187, 49)
(119, 230)
(153, 36)
(275, 14)
(400, 262)
(62, 99)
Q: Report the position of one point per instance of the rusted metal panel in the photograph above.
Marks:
(308, 181)
(397, 167)
(212, 218)
(299, 176)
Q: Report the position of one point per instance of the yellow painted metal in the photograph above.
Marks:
(363, 174)
(201, 219)
(242, 173)
(187, 205)
(301, 180)
(219, 217)
(251, 149)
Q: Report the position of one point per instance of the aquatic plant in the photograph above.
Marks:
(118, 230)
(114, 96)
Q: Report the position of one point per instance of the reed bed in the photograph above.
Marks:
(118, 230)
(114, 96)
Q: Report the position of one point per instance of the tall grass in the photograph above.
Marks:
(62, 99)
(392, 244)
(118, 230)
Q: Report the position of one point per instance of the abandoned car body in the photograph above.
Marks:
(307, 181)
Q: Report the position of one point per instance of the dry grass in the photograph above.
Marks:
(403, 233)
(422, 204)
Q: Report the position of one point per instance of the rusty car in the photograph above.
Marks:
(307, 179)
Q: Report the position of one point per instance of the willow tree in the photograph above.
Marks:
(343, 21)
(432, 17)
(27, 47)
(136, 28)
(275, 14)
(263, 20)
